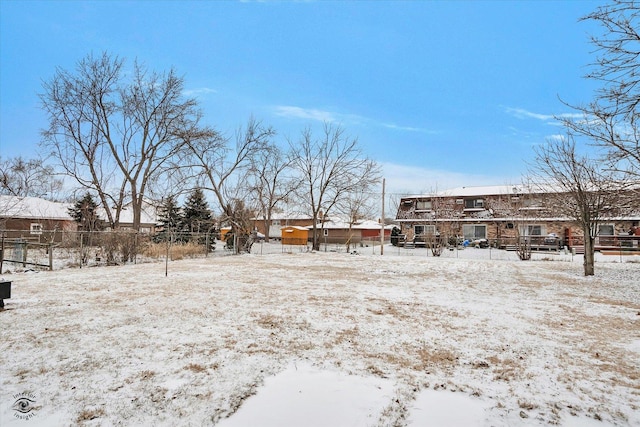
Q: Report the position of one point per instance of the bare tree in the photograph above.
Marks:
(437, 236)
(331, 168)
(618, 52)
(222, 169)
(586, 192)
(356, 206)
(28, 178)
(618, 135)
(114, 131)
(611, 119)
(270, 183)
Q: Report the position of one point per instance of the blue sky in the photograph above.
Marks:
(441, 93)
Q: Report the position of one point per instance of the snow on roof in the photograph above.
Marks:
(37, 208)
(33, 208)
(148, 215)
(285, 216)
(487, 190)
(294, 227)
(363, 225)
(371, 225)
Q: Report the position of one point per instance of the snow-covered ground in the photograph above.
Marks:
(325, 339)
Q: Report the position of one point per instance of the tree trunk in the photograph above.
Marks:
(316, 238)
(589, 253)
(267, 228)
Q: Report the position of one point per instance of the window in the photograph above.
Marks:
(532, 202)
(423, 205)
(473, 203)
(474, 232)
(532, 230)
(275, 222)
(424, 229)
(36, 228)
(606, 230)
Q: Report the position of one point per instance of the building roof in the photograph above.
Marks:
(488, 190)
(37, 208)
(283, 216)
(344, 225)
(33, 208)
(147, 216)
(290, 228)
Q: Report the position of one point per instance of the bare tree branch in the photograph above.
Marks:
(28, 178)
(331, 169)
(115, 134)
(584, 191)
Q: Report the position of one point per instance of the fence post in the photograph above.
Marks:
(51, 257)
(620, 249)
(24, 254)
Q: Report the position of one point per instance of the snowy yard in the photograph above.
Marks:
(325, 339)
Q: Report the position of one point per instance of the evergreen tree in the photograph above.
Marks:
(197, 216)
(85, 213)
(169, 217)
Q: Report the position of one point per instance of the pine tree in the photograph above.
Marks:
(169, 217)
(85, 213)
(197, 216)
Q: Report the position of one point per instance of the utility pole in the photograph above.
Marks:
(382, 221)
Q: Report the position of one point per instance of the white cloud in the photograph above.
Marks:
(521, 113)
(305, 113)
(524, 114)
(556, 137)
(291, 111)
(411, 180)
(406, 128)
(199, 91)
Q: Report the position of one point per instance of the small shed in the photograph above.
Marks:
(295, 235)
(223, 233)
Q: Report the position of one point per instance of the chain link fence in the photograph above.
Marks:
(66, 249)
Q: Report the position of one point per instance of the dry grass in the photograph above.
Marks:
(505, 369)
(435, 358)
(349, 335)
(145, 375)
(195, 367)
(90, 414)
(177, 251)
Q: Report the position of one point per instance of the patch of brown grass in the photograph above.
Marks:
(435, 358)
(399, 310)
(270, 321)
(145, 375)
(22, 373)
(615, 303)
(195, 367)
(90, 414)
(347, 335)
(177, 251)
(505, 369)
(395, 359)
(527, 405)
